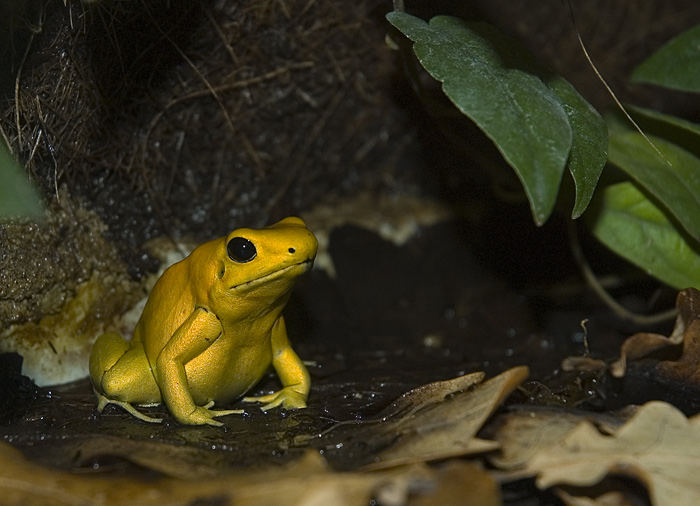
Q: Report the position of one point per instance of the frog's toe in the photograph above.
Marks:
(202, 415)
(271, 405)
(221, 412)
(208, 421)
(262, 398)
(224, 412)
(288, 398)
(103, 401)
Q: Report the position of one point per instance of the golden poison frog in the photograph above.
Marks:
(211, 328)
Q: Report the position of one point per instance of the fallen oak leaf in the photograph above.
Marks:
(367, 437)
(658, 446)
(583, 364)
(448, 428)
(639, 346)
(606, 499)
(306, 482)
(524, 432)
(687, 367)
(413, 400)
(464, 483)
(644, 343)
(432, 393)
(176, 461)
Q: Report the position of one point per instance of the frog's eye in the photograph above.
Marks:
(241, 250)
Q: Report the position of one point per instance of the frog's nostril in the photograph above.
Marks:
(292, 250)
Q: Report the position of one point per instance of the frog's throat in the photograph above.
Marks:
(305, 265)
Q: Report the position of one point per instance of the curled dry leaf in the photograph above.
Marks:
(525, 432)
(378, 431)
(447, 429)
(583, 364)
(432, 393)
(176, 461)
(303, 483)
(606, 499)
(658, 446)
(643, 343)
(687, 367)
(463, 483)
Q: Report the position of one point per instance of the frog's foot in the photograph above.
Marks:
(222, 412)
(103, 401)
(202, 415)
(288, 398)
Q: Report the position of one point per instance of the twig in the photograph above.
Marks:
(306, 8)
(44, 129)
(17, 80)
(597, 287)
(252, 153)
(221, 35)
(612, 93)
(304, 151)
(242, 83)
(7, 141)
(248, 146)
(586, 349)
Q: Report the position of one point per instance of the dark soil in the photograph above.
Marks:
(393, 319)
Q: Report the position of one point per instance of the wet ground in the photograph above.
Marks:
(393, 318)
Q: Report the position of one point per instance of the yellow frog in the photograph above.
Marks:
(211, 328)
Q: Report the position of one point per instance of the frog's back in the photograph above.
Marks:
(173, 299)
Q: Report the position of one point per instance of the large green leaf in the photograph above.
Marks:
(490, 80)
(671, 128)
(18, 198)
(674, 181)
(675, 65)
(666, 119)
(635, 228)
(589, 149)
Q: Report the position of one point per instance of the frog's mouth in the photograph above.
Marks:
(301, 266)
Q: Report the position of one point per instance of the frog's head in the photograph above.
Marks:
(256, 269)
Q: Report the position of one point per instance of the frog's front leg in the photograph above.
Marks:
(201, 329)
(121, 375)
(292, 372)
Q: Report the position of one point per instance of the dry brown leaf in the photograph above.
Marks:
(377, 433)
(583, 364)
(687, 367)
(306, 482)
(461, 483)
(658, 446)
(432, 393)
(643, 343)
(524, 433)
(177, 461)
(448, 428)
(607, 499)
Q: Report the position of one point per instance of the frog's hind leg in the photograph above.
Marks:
(106, 351)
(121, 375)
(102, 402)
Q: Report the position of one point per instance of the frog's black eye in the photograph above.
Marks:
(241, 250)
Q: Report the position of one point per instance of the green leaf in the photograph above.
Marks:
(676, 186)
(671, 128)
(665, 119)
(589, 149)
(493, 82)
(675, 65)
(635, 228)
(18, 198)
